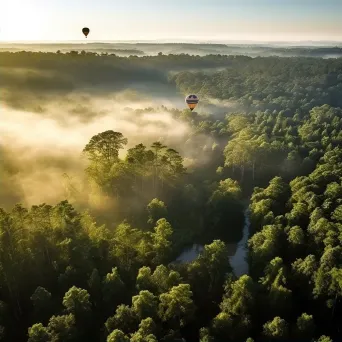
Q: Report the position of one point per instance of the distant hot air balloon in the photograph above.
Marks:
(192, 101)
(85, 31)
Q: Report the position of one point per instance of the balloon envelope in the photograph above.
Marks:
(85, 31)
(192, 101)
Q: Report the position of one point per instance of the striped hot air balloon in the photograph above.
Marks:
(192, 101)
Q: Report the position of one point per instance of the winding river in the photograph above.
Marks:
(237, 252)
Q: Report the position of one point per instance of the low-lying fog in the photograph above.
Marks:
(38, 146)
(320, 49)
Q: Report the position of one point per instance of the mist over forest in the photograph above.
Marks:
(125, 49)
(124, 216)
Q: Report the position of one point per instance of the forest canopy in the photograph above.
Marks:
(99, 262)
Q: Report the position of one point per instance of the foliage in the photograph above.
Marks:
(69, 274)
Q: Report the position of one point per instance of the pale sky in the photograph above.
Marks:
(177, 20)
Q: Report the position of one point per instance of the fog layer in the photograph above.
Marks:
(39, 146)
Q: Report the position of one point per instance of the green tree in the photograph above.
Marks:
(204, 335)
(125, 318)
(38, 333)
(147, 329)
(234, 320)
(145, 305)
(41, 300)
(156, 210)
(162, 241)
(277, 329)
(62, 328)
(305, 327)
(105, 146)
(77, 301)
(208, 272)
(324, 338)
(144, 279)
(164, 279)
(113, 289)
(176, 307)
(117, 336)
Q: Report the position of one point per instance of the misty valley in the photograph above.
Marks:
(124, 216)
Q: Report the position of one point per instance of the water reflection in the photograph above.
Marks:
(237, 251)
(190, 254)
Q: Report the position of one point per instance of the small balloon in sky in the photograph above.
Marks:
(85, 31)
(192, 101)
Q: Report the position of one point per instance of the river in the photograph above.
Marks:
(237, 251)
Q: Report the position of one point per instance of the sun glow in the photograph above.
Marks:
(23, 20)
(60, 20)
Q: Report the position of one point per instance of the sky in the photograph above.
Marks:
(172, 20)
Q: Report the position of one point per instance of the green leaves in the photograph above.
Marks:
(305, 327)
(145, 305)
(38, 333)
(104, 147)
(77, 301)
(156, 210)
(117, 336)
(234, 320)
(277, 329)
(161, 240)
(176, 306)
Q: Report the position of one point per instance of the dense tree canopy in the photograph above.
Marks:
(100, 265)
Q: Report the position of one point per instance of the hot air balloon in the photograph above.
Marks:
(85, 31)
(192, 101)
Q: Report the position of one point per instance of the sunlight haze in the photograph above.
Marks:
(258, 20)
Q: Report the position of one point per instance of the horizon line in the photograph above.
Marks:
(170, 41)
